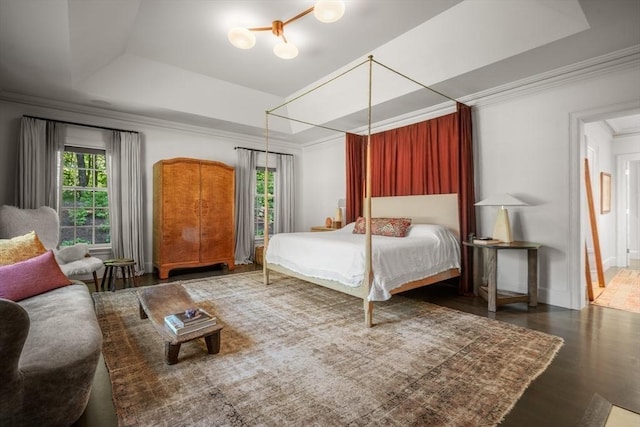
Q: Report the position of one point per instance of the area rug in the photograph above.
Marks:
(297, 354)
(622, 292)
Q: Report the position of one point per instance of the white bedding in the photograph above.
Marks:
(339, 256)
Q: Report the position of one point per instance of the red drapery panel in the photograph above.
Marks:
(431, 157)
(417, 159)
(355, 159)
(466, 193)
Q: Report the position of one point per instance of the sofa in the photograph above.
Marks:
(50, 345)
(50, 340)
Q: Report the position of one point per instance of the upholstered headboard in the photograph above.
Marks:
(429, 209)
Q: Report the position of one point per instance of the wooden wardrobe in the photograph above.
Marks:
(193, 214)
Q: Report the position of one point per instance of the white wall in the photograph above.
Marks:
(159, 142)
(522, 146)
(324, 181)
(626, 150)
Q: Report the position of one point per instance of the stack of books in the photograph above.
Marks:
(189, 321)
(485, 241)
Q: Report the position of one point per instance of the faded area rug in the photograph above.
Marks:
(622, 292)
(297, 354)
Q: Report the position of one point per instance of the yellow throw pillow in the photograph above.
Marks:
(20, 248)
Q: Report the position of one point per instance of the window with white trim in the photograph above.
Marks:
(84, 207)
(259, 219)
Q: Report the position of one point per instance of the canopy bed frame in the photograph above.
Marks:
(442, 209)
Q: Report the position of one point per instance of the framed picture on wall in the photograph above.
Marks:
(605, 192)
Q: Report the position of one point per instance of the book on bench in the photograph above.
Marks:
(189, 321)
(486, 241)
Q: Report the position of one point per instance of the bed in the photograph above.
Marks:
(429, 253)
(443, 164)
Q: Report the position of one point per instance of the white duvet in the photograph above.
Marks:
(339, 256)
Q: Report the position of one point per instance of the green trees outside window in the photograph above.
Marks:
(84, 212)
(259, 201)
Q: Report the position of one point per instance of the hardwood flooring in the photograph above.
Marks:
(601, 355)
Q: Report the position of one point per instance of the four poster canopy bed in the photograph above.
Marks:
(409, 201)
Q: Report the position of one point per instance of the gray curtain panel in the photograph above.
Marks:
(126, 217)
(41, 147)
(284, 194)
(245, 201)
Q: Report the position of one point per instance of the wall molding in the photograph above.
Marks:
(95, 116)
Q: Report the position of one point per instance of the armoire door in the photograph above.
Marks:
(181, 210)
(217, 237)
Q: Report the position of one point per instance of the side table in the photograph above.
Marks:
(126, 267)
(485, 273)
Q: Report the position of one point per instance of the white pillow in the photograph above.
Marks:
(72, 253)
(425, 230)
(347, 228)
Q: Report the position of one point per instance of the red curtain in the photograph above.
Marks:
(431, 157)
(466, 193)
(356, 151)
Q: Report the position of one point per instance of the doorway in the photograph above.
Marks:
(629, 212)
(612, 147)
(610, 151)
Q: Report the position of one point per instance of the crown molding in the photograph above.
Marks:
(594, 67)
(96, 116)
(590, 68)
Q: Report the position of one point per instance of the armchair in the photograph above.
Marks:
(45, 222)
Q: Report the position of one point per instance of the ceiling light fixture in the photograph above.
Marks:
(326, 11)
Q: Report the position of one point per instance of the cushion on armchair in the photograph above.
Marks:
(20, 248)
(72, 253)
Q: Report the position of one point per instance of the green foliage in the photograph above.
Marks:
(78, 216)
(74, 241)
(84, 170)
(259, 200)
(85, 201)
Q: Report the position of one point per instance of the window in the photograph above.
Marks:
(84, 211)
(259, 201)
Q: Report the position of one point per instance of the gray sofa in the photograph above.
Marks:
(50, 345)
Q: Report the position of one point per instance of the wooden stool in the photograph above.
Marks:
(126, 266)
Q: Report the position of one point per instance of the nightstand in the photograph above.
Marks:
(485, 273)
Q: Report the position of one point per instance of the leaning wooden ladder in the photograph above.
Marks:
(594, 236)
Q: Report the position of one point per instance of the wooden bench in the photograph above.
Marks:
(159, 301)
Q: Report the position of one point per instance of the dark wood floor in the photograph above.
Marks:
(601, 355)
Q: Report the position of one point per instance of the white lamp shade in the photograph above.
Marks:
(502, 227)
(328, 11)
(285, 50)
(241, 38)
(501, 200)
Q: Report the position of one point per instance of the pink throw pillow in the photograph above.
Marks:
(31, 277)
(391, 227)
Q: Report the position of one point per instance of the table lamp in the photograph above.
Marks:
(502, 228)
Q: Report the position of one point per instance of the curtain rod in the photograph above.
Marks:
(262, 151)
(81, 124)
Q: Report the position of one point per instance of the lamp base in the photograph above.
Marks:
(502, 228)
